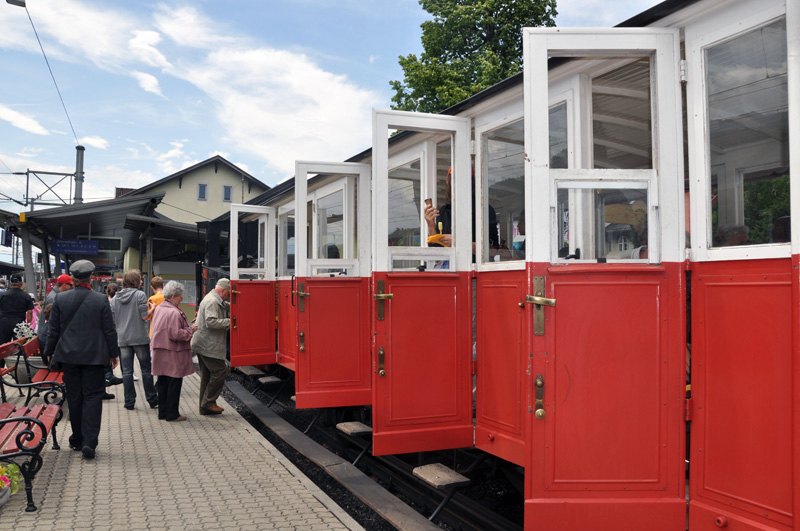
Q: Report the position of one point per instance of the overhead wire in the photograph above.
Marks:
(52, 75)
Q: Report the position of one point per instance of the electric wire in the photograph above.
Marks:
(52, 75)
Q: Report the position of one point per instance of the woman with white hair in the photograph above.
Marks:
(172, 351)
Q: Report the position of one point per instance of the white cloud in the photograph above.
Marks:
(22, 121)
(373, 58)
(30, 152)
(95, 141)
(148, 82)
(188, 27)
(143, 46)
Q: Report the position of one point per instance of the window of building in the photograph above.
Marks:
(622, 243)
(202, 192)
(227, 193)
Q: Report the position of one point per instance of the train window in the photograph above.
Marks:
(330, 221)
(286, 244)
(503, 172)
(748, 138)
(610, 224)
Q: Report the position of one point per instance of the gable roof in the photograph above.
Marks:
(216, 159)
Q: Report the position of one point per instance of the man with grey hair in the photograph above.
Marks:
(209, 343)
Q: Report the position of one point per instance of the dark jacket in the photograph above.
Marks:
(91, 337)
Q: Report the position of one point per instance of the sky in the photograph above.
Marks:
(155, 87)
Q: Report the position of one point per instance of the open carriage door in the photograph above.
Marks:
(744, 102)
(606, 294)
(334, 272)
(422, 352)
(252, 286)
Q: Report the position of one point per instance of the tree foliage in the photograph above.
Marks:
(468, 46)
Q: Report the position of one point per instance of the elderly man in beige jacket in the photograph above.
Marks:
(209, 344)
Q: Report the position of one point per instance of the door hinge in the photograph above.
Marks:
(683, 70)
(688, 409)
(471, 147)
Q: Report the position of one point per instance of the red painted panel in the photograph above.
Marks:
(252, 322)
(501, 365)
(742, 389)
(287, 325)
(424, 401)
(334, 369)
(613, 364)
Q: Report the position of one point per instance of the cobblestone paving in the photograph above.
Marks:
(210, 472)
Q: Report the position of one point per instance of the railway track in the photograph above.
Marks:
(467, 510)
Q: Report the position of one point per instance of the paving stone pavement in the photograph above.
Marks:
(210, 472)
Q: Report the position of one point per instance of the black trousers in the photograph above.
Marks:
(169, 397)
(86, 385)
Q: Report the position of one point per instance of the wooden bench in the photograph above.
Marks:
(39, 375)
(23, 435)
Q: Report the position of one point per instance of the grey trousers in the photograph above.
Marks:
(213, 372)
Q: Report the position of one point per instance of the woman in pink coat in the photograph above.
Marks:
(172, 351)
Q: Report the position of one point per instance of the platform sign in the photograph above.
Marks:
(65, 246)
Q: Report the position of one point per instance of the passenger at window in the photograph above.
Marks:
(782, 230)
(730, 235)
(440, 221)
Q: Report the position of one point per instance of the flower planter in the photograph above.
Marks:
(5, 495)
(21, 373)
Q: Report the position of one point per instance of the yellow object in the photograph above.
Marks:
(436, 238)
(22, 218)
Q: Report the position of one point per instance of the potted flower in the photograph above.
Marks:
(10, 481)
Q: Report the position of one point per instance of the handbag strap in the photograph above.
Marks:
(69, 321)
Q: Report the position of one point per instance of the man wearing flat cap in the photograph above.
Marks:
(83, 338)
(15, 307)
(209, 343)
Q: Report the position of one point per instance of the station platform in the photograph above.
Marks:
(209, 472)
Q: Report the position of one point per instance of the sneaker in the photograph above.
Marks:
(135, 378)
(113, 381)
(88, 452)
(154, 405)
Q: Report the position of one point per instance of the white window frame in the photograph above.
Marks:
(266, 217)
(729, 25)
(202, 186)
(663, 46)
(350, 171)
(460, 255)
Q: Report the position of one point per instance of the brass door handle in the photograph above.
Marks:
(539, 404)
(301, 293)
(235, 292)
(536, 299)
(383, 296)
(381, 354)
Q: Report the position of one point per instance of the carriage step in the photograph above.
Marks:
(353, 428)
(439, 476)
(267, 380)
(250, 371)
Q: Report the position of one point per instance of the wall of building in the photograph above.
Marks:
(181, 202)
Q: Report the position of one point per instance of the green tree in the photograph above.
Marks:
(468, 46)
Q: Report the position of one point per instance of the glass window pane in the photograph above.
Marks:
(621, 117)
(403, 208)
(286, 244)
(504, 178)
(608, 224)
(749, 138)
(262, 244)
(330, 217)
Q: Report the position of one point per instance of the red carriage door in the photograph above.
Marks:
(422, 351)
(744, 458)
(333, 305)
(252, 286)
(605, 291)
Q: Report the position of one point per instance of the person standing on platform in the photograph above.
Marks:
(2, 285)
(209, 343)
(130, 313)
(16, 307)
(83, 339)
(172, 351)
(157, 285)
(63, 283)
